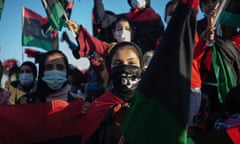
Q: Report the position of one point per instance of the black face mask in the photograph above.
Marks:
(125, 79)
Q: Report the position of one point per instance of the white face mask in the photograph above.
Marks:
(26, 79)
(168, 19)
(123, 35)
(54, 79)
(138, 3)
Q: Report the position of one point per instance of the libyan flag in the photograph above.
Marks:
(1, 7)
(230, 15)
(158, 113)
(56, 14)
(33, 33)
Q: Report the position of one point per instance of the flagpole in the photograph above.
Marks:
(73, 33)
(22, 29)
(223, 3)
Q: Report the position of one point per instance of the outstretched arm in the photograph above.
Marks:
(102, 17)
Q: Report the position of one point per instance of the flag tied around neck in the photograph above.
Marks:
(33, 32)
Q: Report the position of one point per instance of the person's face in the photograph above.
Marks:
(208, 5)
(55, 62)
(26, 69)
(125, 56)
(123, 25)
(122, 31)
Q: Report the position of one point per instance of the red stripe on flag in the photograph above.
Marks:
(27, 13)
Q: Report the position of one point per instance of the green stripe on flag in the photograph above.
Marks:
(153, 116)
(229, 19)
(31, 41)
(56, 17)
(224, 75)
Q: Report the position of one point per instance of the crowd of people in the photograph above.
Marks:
(126, 54)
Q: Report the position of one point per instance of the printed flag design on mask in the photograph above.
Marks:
(33, 33)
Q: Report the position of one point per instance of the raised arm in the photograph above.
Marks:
(87, 42)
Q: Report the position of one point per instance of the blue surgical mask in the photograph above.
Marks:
(123, 35)
(26, 79)
(138, 3)
(55, 79)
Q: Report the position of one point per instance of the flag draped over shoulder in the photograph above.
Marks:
(1, 7)
(159, 112)
(230, 15)
(33, 123)
(56, 14)
(33, 33)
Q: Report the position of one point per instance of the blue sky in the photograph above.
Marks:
(11, 22)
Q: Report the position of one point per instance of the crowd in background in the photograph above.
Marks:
(119, 53)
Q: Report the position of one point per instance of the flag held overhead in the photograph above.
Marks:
(159, 112)
(33, 33)
(1, 7)
(56, 14)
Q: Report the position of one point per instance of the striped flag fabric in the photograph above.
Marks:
(230, 14)
(56, 13)
(33, 33)
(159, 112)
(67, 5)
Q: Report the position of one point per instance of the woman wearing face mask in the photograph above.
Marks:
(26, 83)
(52, 79)
(122, 31)
(149, 25)
(106, 112)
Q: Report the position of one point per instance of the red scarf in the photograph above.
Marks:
(236, 41)
(147, 14)
(96, 113)
(27, 123)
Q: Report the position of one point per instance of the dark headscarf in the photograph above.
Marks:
(42, 88)
(120, 45)
(32, 66)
